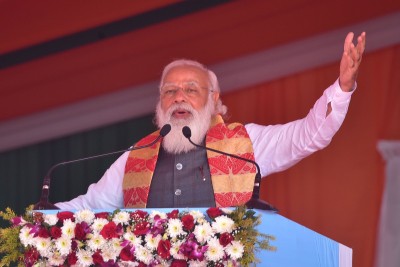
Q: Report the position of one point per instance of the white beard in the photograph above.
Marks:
(199, 123)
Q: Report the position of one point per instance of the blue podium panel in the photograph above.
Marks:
(297, 246)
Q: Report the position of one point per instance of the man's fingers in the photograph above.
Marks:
(348, 41)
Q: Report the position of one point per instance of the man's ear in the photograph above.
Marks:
(215, 97)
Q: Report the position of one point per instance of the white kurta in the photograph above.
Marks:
(276, 148)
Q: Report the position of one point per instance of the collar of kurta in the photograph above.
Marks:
(232, 179)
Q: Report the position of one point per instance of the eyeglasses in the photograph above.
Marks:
(190, 89)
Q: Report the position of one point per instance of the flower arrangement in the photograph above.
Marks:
(218, 237)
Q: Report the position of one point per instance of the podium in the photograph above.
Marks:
(297, 246)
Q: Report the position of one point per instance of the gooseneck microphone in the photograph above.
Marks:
(44, 199)
(255, 202)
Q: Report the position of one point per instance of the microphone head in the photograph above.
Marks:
(187, 132)
(165, 130)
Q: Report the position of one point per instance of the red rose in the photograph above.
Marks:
(179, 263)
(225, 239)
(30, 257)
(214, 212)
(173, 214)
(163, 249)
(141, 228)
(55, 232)
(126, 254)
(109, 230)
(188, 222)
(79, 230)
(138, 214)
(141, 264)
(74, 245)
(64, 215)
(97, 258)
(72, 259)
(102, 215)
(43, 232)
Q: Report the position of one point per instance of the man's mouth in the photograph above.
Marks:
(181, 114)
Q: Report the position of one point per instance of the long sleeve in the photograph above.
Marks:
(105, 194)
(278, 147)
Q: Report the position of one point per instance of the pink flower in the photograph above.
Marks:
(18, 221)
(214, 212)
(110, 230)
(126, 254)
(97, 258)
(72, 259)
(43, 232)
(63, 215)
(102, 215)
(30, 257)
(179, 263)
(141, 228)
(225, 239)
(173, 214)
(163, 249)
(55, 232)
(188, 222)
(138, 214)
(81, 229)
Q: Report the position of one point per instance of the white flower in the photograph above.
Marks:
(43, 245)
(215, 250)
(152, 241)
(109, 253)
(203, 232)
(56, 259)
(84, 216)
(84, 257)
(227, 210)
(143, 254)
(132, 238)
(50, 219)
(197, 263)
(174, 227)
(68, 228)
(223, 224)
(63, 245)
(128, 264)
(95, 242)
(115, 245)
(98, 224)
(121, 217)
(235, 250)
(25, 237)
(174, 250)
(162, 215)
(197, 215)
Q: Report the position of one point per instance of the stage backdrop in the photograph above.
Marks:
(336, 192)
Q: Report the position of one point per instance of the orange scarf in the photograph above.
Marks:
(232, 179)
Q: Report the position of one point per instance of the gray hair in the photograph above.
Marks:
(212, 79)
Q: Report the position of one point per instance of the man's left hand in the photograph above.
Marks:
(350, 61)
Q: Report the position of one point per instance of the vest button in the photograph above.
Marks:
(179, 166)
(178, 192)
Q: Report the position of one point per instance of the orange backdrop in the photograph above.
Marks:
(337, 191)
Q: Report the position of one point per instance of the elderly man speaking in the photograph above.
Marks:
(175, 173)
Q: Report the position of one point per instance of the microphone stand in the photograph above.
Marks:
(255, 202)
(44, 199)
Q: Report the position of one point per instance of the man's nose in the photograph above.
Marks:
(180, 96)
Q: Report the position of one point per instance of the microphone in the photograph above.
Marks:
(44, 199)
(255, 202)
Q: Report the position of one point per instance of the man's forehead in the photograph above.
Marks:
(189, 73)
